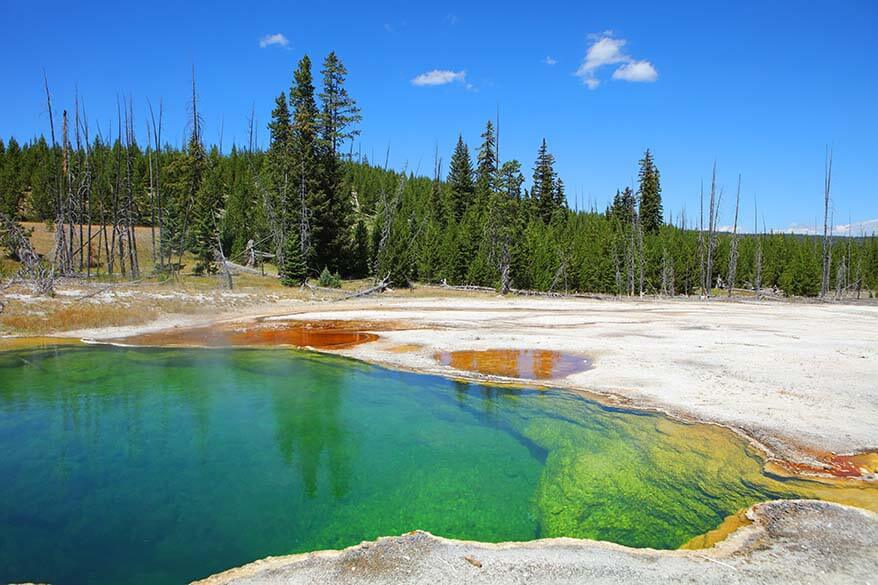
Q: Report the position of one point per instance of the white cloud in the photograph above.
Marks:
(797, 228)
(550, 60)
(636, 71)
(440, 77)
(867, 227)
(606, 49)
(276, 39)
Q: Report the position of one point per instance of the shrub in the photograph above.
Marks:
(328, 279)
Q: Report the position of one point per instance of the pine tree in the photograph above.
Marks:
(430, 252)
(244, 219)
(185, 175)
(460, 179)
(543, 193)
(511, 179)
(340, 114)
(437, 206)
(560, 196)
(396, 258)
(169, 238)
(11, 179)
(651, 212)
(337, 122)
(279, 171)
(500, 232)
(293, 270)
(623, 208)
(209, 204)
(328, 279)
(196, 165)
(486, 168)
(312, 202)
(42, 179)
(473, 267)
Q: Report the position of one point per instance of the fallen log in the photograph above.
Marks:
(444, 284)
(514, 291)
(239, 268)
(538, 293)
(383, 285)
(314, 288)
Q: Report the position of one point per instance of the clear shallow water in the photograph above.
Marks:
(122, 465)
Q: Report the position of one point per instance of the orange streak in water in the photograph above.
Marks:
(323, 335)
(532, 364)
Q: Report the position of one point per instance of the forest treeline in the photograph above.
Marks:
(308, 205)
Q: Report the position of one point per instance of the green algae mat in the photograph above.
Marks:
(122, 465)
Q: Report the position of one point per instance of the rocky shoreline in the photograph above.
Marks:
(794, 541)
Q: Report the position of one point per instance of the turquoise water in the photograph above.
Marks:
(122, 465)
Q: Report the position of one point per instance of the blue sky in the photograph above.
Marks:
(760, 87)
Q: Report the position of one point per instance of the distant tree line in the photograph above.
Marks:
(311, 208)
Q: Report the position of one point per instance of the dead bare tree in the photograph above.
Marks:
(668, 288)
(497, 235)
(860, 252)
(389, 209)
(196, 153)
(733, 251)
(225, 273)
(505, 261)
(640, 254)
(130, 208)
(712, 220)
(117, 232)
(152, 195)
(757, 255)
(841, 278)
(155, 177)
(33, 271)
(702, 247)
(502, 240)
(304, 217)
(79, 192)
(827, 233)
(86, 183)
(850, 254)
(617, 267)
(631, 255)
(273, 219)
(560, 274)
(60, 247)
